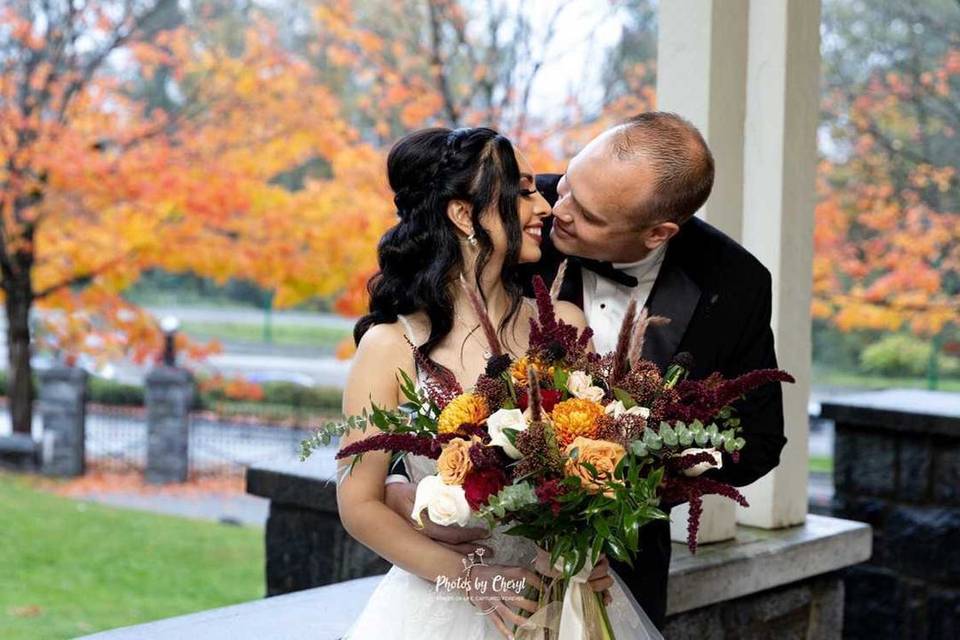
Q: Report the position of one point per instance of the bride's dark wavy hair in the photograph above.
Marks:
(420, 257)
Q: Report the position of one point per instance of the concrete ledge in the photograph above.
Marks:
(761, 559)
(756, 561)
(316, 614)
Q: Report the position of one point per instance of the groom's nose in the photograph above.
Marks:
(562, 212)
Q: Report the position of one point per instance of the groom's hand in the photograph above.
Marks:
(399, 496)
(600, 579)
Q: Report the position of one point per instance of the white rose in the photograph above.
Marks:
(616, 409)
(580, 385)
(578, 382)
(506, 419)
(703, 466)
(446, 504)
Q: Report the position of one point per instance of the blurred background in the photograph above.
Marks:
(202, 184)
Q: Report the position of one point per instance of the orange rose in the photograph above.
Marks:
(603, 455)
(454, 461)
(575, 417)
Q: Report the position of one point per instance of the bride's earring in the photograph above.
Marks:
(472, 239)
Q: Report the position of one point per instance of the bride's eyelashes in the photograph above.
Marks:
(528, 193)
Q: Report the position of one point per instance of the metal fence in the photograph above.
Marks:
(220, 447)
(116, 441)
(116, 438)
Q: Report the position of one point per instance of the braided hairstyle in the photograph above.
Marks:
(421, 256)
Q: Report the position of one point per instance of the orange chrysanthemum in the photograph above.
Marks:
(575, 417)
(467, 408)
(518, 370)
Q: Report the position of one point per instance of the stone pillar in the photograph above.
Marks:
(701, 74)
(897, 467)
(169, 396)
(63, 398)
(780, 158)
(746, 73)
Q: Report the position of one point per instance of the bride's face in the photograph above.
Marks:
(532, 208)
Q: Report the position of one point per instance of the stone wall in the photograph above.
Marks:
(897, 467)
(811, 608)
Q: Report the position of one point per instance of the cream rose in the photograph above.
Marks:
(446, 504)
(603, 455)
(454, 462)
(616, 409)
(703, 466)
(580, 385)
(506, 419)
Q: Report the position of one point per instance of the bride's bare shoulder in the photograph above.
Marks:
(571, 313)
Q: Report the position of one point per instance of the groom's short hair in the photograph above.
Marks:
(681, 159)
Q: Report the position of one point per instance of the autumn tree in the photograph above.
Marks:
(887, 236)
(100, 182)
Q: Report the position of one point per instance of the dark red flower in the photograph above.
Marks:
(548, 397)
(548, 494)
(480, 484)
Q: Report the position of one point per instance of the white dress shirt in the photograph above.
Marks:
(605, 302)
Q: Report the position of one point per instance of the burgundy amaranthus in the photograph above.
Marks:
(679, 488)
(441, 385)
(703, 399)
(547, 332)
(405, 442)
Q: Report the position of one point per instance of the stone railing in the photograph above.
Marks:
(762, 584)
(897, 467)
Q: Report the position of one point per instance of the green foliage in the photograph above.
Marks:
(296, 395)
(902, 354)
(103, 391)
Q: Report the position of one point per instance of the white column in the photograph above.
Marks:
(780, 157)
(701, 74)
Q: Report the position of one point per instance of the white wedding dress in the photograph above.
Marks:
(407, 607)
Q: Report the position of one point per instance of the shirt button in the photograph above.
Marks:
(603, 305)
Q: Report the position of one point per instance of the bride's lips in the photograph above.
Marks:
(534, 232)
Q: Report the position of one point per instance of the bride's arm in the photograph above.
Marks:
(360, 494)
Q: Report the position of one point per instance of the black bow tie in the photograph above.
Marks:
(608, 271)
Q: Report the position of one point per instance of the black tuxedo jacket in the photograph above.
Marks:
(718, 298)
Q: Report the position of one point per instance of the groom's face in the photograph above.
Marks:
(597, 214)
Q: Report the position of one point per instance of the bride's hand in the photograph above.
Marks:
(495, 589)
(600, 579)
(400, 498)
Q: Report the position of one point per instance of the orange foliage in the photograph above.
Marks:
(887, 235)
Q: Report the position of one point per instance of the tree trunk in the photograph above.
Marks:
(19, 299)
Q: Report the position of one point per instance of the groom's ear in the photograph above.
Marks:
(460, 214)
(660, 234)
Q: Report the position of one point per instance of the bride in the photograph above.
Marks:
(468, 209)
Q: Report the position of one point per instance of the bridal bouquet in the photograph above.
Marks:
(568, 448)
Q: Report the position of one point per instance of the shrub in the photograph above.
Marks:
(904, 356)
(103, 391)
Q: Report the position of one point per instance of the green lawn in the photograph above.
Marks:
(282, 334)
(821, 464)
(69, 568)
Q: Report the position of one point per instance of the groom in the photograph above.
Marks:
(623, 215)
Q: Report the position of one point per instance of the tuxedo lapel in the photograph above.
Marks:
(675, 296)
